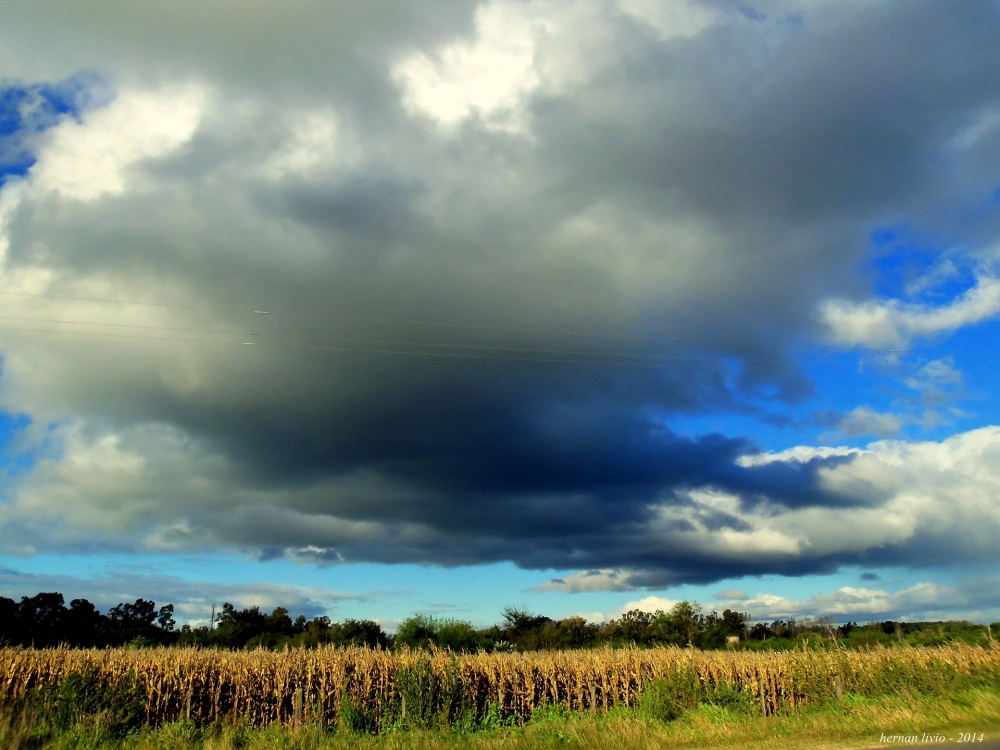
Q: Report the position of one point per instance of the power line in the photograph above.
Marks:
(699, 364)
(124, 325)
(122, 336)
(425, 323)
(672, 363)
(386, 342)
(123, 302)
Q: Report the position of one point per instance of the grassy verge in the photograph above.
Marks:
(856, 722)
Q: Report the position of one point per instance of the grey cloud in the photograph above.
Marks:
(711, 188)
(863, 420)
(590, 580)
(305, 45)
(731, 595)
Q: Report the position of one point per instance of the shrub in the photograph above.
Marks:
(109, 709)
(355, 716)
(667, 698)
(428, 698)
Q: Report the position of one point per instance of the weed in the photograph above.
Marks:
(357, 717)
(669, 697)
(91, 703)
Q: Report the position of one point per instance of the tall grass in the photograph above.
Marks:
(373, 688)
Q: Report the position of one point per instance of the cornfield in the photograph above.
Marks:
(262, 687)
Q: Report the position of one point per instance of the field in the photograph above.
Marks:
(493, 698)
(854, 723)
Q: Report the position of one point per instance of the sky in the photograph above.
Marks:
(369, 309)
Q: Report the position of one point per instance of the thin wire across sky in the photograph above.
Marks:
(398, 345)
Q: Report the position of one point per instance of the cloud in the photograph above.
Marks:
(85, 160)
(488, 77)
(935, 384)
(730, 595)
(155, 489)
(473, 340)
(863, 420)
(902, 503)
(938, 383)
(674, 18)
(920, 602)
(981, 126)
(28, 111)
(801, 454)
(936, 373)
(937, 275)
(523, 49)
(192, 600)
(896, 324)
(646, 604)
(971, 599)
(590, 580)
(313, 144)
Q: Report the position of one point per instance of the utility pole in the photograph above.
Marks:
(212, 626)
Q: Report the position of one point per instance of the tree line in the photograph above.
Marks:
(44, 621)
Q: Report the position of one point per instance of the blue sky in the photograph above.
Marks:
(579, 306)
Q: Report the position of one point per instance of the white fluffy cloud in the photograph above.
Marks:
(974, 599)
(646, 604)
(489, 76)
(523, 47)
(85, 160)
(904, 495)
(590, 580)
(902, 502)
(152, 488)
(971, 599)
(893, 323)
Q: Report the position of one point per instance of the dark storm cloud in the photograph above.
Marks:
(658, 233)
(379, 210)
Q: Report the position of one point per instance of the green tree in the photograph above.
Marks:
(635, 626)
(683, 623)
(418, 631)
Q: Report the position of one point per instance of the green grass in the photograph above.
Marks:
(854, 723)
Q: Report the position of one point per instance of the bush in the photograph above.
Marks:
(426, 631)
(111, 710)
(730, 698)
(429, 699)
(667, 698)
(357, 717)
(679, 691)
